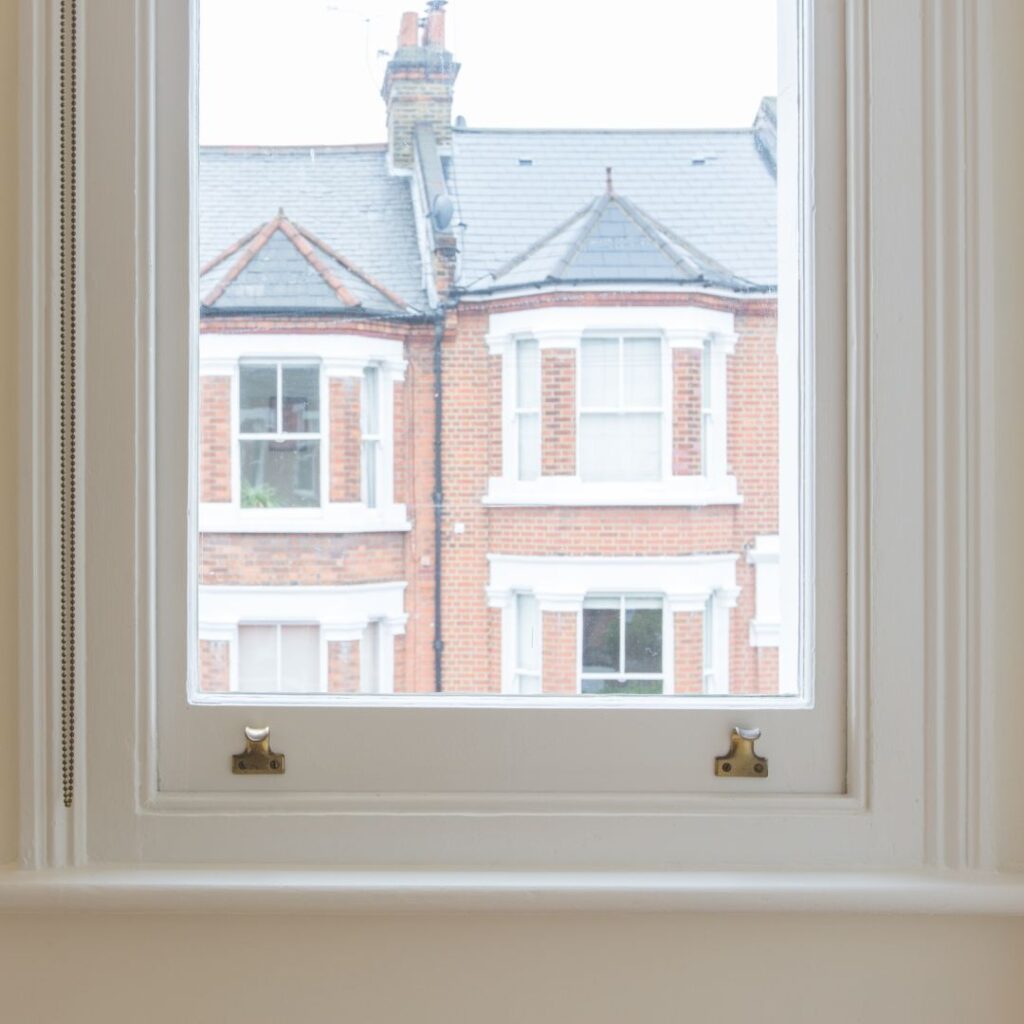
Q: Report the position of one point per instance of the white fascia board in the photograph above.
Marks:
(562, 581)
(349, 517)
(564, 326)
(341, 354)
(572, 491)
(343, 608)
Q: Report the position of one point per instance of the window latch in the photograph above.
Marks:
(742, 761)
(257, 758)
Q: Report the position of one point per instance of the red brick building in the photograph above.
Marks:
(489, 411)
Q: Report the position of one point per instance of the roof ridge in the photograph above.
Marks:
(597, 208)
(698, 256)
(541, 242)
(351, 267)
(305, 248)
(262, 236)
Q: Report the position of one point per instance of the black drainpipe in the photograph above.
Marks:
(438, 496)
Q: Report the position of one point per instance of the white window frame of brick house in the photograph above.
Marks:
(339, 355)
(343, 614)
(684, 584)
(903, 802)
(711, 332)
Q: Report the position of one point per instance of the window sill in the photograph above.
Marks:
(697, 491)
(260, 890)
(222, 517)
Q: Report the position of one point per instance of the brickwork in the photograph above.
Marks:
(686, 411)
(346, 439)
(299, 559)
(559, 670)
(214, 438)
(343, 666)
(415, 94)
(401, 425)
(558, 411)
(688, 628)
(472, 452)
(214, 666)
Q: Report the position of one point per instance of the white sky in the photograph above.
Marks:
(308, 71)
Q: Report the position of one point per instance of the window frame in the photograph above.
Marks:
(664, 410)
(667, 642)
(922, 810)
(340, 355)
(238, 438)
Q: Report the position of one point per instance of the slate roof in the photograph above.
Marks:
(712, 190)
(612, 241)
(341, 195)
(280, 267)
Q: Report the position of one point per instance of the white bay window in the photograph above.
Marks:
(624, 406)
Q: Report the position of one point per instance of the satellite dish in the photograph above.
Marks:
(443, 211)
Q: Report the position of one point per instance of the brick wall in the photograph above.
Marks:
(343, 666)
(558, 411)
(688, 628)
(297, 559)
(214, 438)
(559, 670)
(686, 411)
(214, 668)
(346, 438)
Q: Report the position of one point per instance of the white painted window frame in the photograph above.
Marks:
(667, 642)
(694, 327)
(339, 355)
(321, 436)
(235, 651)
(342, 613)
(918, 824)
(686, 583)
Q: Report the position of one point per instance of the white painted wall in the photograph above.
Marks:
(521, 967)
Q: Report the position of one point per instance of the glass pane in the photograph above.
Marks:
(370, 405)
(369, 473)
(602, 453)
(280, 474)
(614, 686)
(257, 659)
(641, 372)
(300, 413)
(640, 446)
(599, 368)
(643, 639)
(369, 658)
(601, 639)
(528, 633)
(595, 216)
(527, 374)
(300, 659)
(257, 399)
(529, 446)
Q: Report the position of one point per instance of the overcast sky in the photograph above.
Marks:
(309, 71)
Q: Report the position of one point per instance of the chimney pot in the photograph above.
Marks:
(433, 33)
(408, 29)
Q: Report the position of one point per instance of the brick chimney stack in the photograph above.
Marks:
(418, 84)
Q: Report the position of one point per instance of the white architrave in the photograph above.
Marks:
(901, 360)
